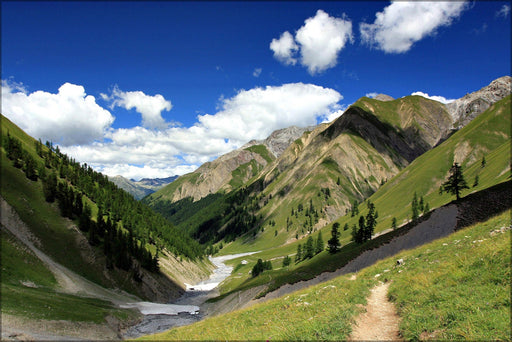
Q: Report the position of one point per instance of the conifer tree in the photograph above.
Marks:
(334, 244)
(456, 182)
(371, 222)
(310, 248)
(287, 261)
(414, 207)
(319, 243)
(298, 256)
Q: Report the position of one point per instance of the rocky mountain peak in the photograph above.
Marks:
(471, 105)
(280, 139)
(383, 97)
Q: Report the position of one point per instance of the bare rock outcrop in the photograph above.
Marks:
(471, 105)
(383, 97)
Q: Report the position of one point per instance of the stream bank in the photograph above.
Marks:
(186, 309)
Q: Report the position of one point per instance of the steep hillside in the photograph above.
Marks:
(78, 222)
(438, 294)
(486, 136)
(231, 170)
(318, 178)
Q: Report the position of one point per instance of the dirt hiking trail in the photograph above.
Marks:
(380, 321)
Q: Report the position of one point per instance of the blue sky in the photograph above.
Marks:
(153, 89)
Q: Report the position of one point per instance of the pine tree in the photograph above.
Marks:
(456, 182)
(393, 222)
(310, 248)
(414, 207)
(334, 244)
(287, 261)
(319, 243)
(298, 256)
(360, 231)
(354, 209)
(29, 166)
(371, 222)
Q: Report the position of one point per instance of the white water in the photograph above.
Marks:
(221, 272)
(186, 310)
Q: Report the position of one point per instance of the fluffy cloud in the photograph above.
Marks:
(255, 113)
(437, 98)
(320, 40)
(402, 23)
(68, 117)
(150, 107)
(372, 95)
(284, 48)
(251, 114)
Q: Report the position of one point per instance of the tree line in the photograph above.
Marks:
(123, 226)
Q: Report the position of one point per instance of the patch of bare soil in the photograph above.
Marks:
(380, 321)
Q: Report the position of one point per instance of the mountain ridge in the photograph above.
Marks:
(142, 188)
(351, 157)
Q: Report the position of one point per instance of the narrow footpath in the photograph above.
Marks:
(380, 321)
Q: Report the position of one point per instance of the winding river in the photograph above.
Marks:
(186, 309)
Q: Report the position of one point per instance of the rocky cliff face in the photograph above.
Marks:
(471, 105)
(279, 140)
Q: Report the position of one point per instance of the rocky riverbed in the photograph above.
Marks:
(187, 309)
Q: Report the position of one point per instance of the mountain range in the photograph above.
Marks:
(142, 188)
(353, 156)
(76, 248)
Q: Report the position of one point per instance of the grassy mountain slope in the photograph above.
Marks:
(324, 171)
(488, 135)
(61, 240)
(438, 294)
(224, 174)
(30, 290)
(346, 161)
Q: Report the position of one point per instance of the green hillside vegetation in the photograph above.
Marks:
(29, 289)
(489, 135)
(454, 288)
(325, 170)
(123, 260)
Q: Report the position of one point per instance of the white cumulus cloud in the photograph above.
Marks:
(255, 113)
(150, 107)
(138, 152)
(319, 42)
(437, 98)
(321, 39)
(67, 117)
(285, 48)
(403, 23)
